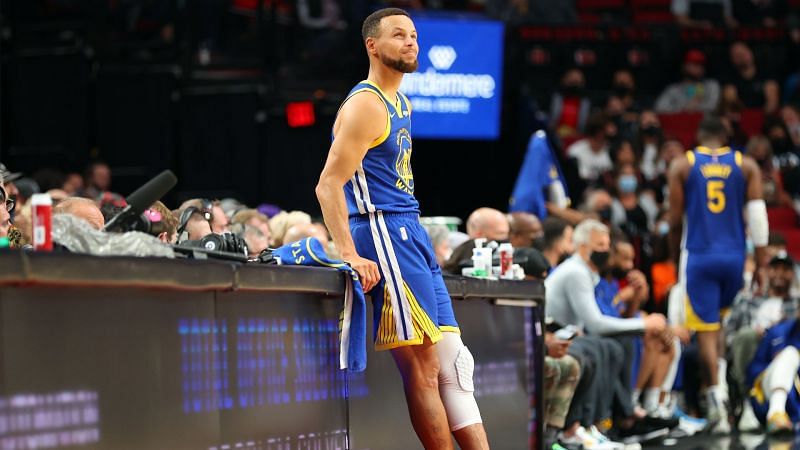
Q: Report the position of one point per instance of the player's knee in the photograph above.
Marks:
(790, 355)
(455, 382)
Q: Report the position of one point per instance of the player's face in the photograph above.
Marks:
(396, 46)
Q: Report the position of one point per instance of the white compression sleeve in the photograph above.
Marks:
(455, 382)
(757, 222)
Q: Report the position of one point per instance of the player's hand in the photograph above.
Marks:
(637, 279)
(655, 323)
(682, 333)
(367, 271)
(627, 294)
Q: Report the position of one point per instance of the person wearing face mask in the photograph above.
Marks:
(632, 212)
(694, 92)
(760, 149)
(569, 107)
(524, 229)
(746, 84)
(620, 293)
(648, 140)
(751, 315)
(571, 300)
(556, 245)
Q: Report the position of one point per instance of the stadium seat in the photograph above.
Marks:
(752, 121)
(681, 126)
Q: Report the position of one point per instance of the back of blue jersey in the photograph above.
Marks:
(384, 180)
(715, 196)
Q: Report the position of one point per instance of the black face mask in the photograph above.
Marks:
(618, 274)
(651, 131)
(572, 91)
(622, 90)
(599, 259)
(780, 145)
(605, 214)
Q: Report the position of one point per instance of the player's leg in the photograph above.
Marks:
(419, 368)
(455, 379)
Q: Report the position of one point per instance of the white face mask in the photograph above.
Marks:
(447, 254)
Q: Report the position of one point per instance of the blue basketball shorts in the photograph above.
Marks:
(712, 281)
(411, 300)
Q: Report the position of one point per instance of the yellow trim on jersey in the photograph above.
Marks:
(407, 101)
(694, 322)
(738, 157)
(757, 392)
(690, 157)
(388, 128)
(387, 338)
(395, 102)
(449, 329)
(719, 152)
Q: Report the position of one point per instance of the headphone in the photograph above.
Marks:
(186, 215)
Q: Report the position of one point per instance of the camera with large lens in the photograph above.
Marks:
(226, 242)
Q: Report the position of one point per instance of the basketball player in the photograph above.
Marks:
(366, 193)
(712, 188)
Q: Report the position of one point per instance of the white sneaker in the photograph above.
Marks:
(748, 423)
(583, 438)
(603, 439)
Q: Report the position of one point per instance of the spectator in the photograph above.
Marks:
(282, 221)
(623, 85)
(97, 179)
(633, 212)
(219, 221)
(193, 223)
(253, 218)
(746, 84)
(694, 92)
(255, 240)
(760, 12)
(598, 204)
(82, 208)
(648, 140)
(163, 223)
(703, 13)
(439, 235)
(6, 208)
(304, 230)
(26, 187)
(73, 183)
(561, 375)
(552, 13)
(524, 229)
(486, 223)
(760, 149)
(569, 108)
(557, 245)
(570, 295)
(751, 315)
(772, 376)
(7, 179)
(592, 152)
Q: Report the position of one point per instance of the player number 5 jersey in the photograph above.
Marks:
(715, 197)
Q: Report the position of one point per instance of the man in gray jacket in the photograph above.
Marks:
(570, 295)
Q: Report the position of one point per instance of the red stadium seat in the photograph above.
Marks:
(782, 217)
(681, 126)
(752, 121)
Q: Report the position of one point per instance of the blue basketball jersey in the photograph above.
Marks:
(384, 180)
(714, 197)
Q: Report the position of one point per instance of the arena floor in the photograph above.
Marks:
(734, 442)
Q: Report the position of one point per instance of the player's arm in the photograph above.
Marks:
(362, 119)
(676, 177)
(756, 213)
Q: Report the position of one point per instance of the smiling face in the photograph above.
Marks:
(394, 43)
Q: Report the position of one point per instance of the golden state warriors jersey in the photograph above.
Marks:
(714, 197)
(384, 180)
